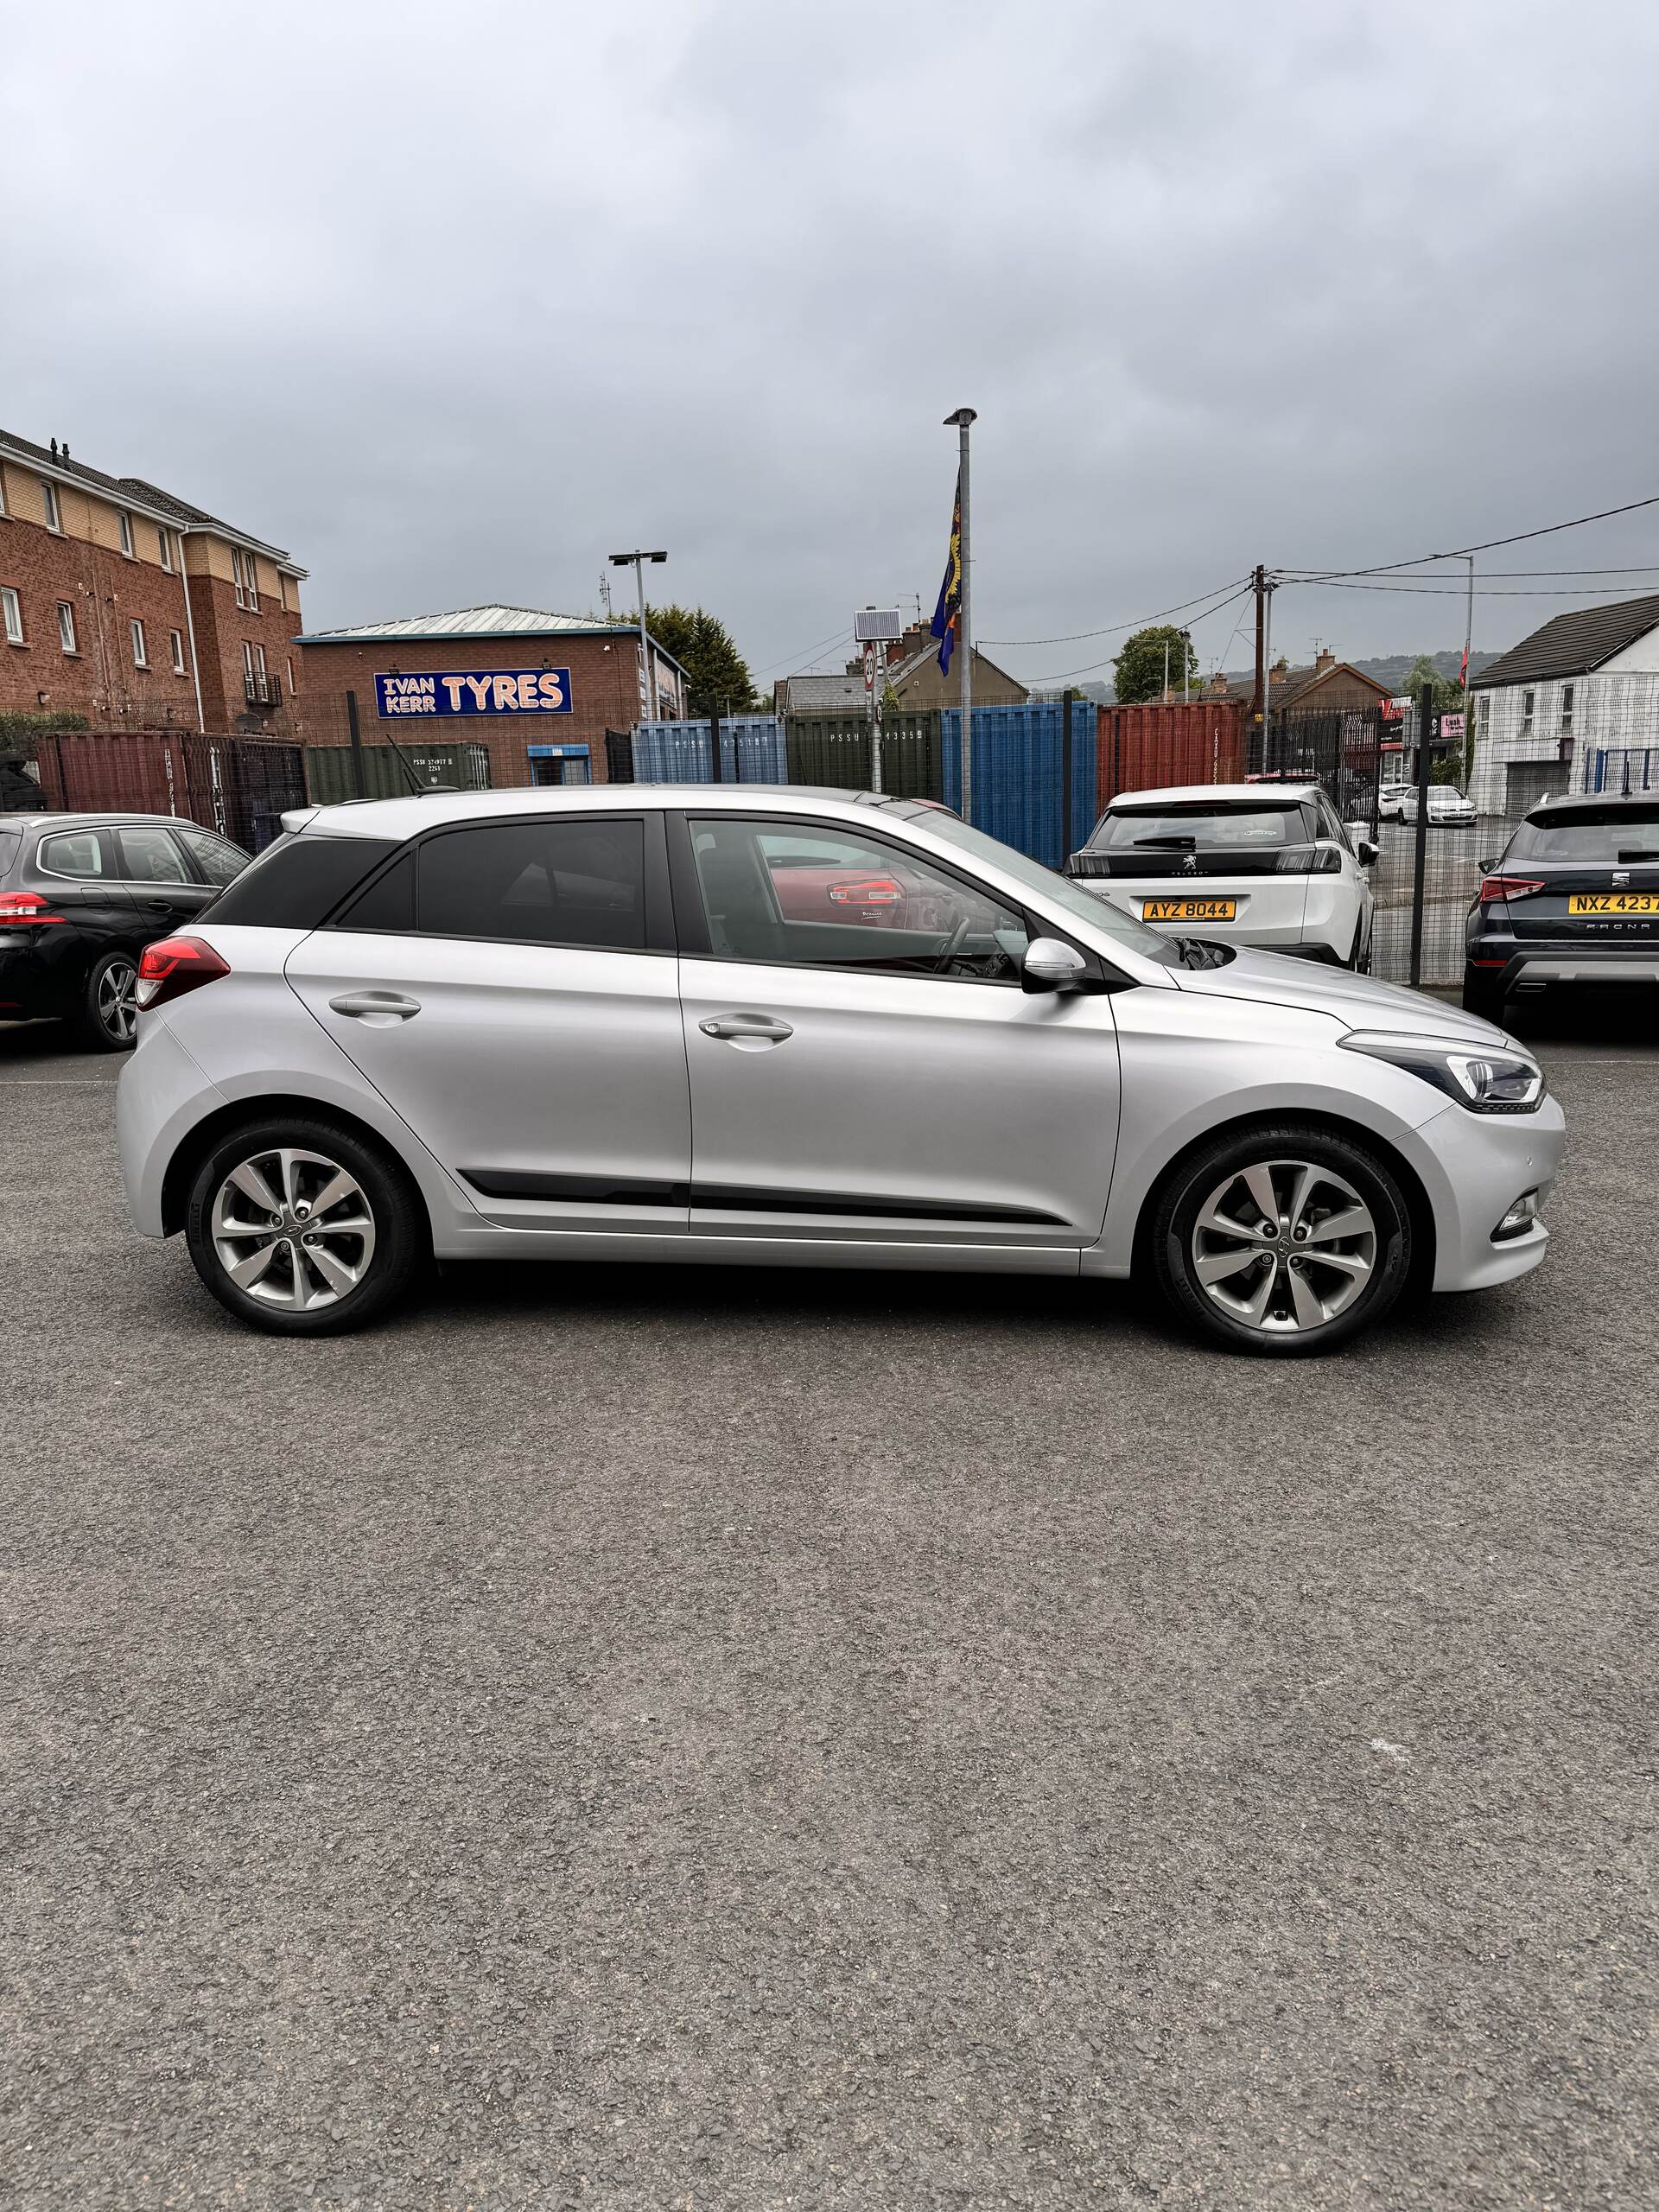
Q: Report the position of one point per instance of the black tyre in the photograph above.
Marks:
(1282, 1241)
(1483, 996)
(300, 1227)
(109, 1014)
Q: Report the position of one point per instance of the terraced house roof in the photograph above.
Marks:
(1573, 644)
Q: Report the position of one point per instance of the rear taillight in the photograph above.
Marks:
(25, 910)
(872, 891)
(1309, 859)
(1508, 887)
(175, 965)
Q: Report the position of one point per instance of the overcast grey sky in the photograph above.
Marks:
(453, 301)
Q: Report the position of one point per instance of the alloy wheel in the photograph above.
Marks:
(1283, 1246)
(292, 1228)
(117, 1009)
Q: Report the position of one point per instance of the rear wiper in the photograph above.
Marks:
(1171, 844)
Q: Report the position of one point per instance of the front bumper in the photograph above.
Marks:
(1474, 1167)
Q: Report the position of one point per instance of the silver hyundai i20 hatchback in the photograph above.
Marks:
(791, 1027)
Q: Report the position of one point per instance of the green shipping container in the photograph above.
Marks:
(330, 775)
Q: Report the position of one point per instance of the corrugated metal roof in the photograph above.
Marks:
(475, 622)
(1572, 643)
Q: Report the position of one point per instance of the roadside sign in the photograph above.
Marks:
(869, 668)
(1452, 726)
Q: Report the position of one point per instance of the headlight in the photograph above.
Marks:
(1495, 1081)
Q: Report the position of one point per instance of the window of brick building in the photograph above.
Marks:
(53, 513)
(247, 574)
(176, 639)
(4, 509)
(126, 522)
(12, 611)
(66, 626)
(164, 540)
(140, 648)
(291, 688)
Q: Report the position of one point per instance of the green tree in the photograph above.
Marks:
(1139, 668)
(1448, 693)
(717, 674)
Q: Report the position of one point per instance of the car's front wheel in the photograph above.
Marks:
(1283, 1240)
(303, 1228)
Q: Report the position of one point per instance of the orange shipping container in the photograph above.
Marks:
(1142, 748)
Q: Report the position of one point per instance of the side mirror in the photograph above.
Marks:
(1487, 865)
(1367, 853)
(1049, 965)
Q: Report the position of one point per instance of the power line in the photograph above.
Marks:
(1218, 607)
(835, 637)
(1111, 629)
(1490, 545)
(1448, 591)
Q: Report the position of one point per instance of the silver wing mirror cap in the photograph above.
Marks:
(1049, 965)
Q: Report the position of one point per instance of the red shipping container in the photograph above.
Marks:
(1143, 748)
(239, 786)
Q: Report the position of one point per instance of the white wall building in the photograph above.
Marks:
(1574, 707)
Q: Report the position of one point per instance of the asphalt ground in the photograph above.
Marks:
(680, 1737)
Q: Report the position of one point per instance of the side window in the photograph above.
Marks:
(150, 856)
(831, 898)
(80, 853)
(219, 863)
(573, 882)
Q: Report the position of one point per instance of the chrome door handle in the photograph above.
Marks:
(365, 1006)
(763, 1028)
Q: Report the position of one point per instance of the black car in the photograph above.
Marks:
(81, 895)
(1574, 898)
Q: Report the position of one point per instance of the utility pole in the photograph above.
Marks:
(1165, 672)
(637, 561)
(1468, 712)
(1186, 668)
(1265, 665)
(962, 418)
(1428, 728)
(1260, 583)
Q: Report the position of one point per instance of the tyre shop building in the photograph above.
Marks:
(538, 691)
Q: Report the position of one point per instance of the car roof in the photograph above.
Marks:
(1184, 794)
(1591, 802)
(105, 819)
(397, 818)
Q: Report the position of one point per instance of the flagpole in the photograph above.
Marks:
(962, 418)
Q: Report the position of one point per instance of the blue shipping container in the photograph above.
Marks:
(751, 752)
(1019, 753)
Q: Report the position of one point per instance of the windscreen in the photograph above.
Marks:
(1151, 945)
(1610, 833)
(1206, 828)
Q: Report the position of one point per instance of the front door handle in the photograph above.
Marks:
(747, 1028)
(379, 1008)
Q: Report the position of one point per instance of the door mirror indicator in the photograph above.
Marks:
(1050, 965)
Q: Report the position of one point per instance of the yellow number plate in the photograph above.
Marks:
(1188, 909)
(1612, 902)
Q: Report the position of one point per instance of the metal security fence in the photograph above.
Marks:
(751, 752)
(239, 786)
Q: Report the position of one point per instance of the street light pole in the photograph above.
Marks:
(637, 561)
(1186, 668)
(962, 418)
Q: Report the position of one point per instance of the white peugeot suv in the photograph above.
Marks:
(809, 1027)
(1262, 864)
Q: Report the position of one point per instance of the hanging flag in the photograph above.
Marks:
(947, 615)
(1464, 676)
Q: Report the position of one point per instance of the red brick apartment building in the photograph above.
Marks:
(539, 690)
(132, 608)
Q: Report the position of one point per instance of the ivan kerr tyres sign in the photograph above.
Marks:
(476, 691)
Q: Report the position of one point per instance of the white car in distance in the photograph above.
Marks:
(1268, 865)
(1445, 803)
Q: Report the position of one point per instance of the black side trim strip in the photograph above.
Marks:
(738, 1198)
(595, 1189)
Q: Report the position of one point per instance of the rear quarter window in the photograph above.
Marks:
(296, 883)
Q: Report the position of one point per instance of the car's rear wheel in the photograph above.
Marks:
(302, 1228)
(1282, 1241)
(109, 1010)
